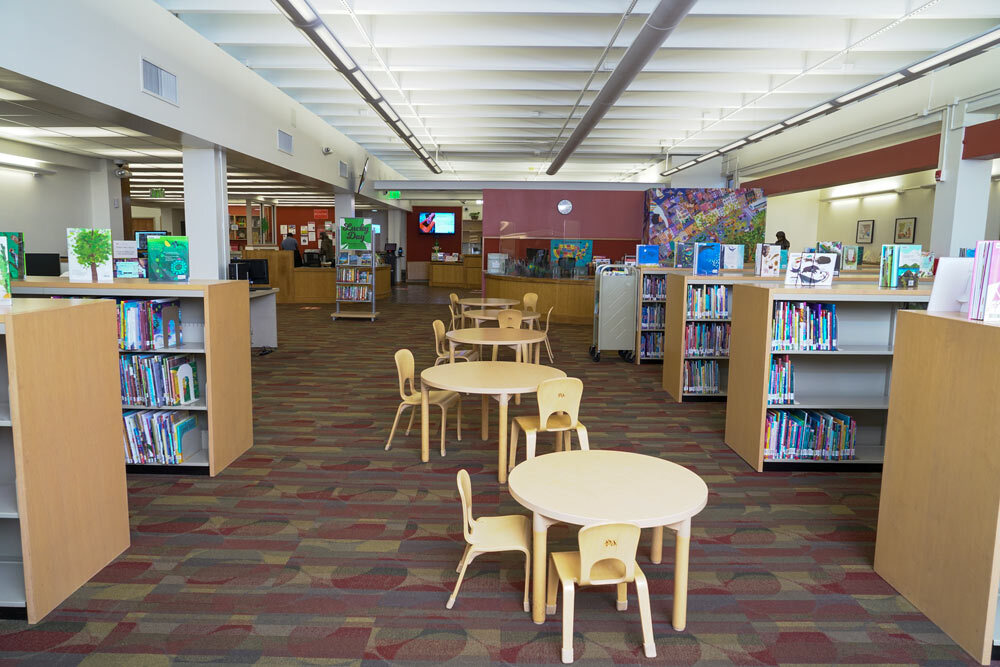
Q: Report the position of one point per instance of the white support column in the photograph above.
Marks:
(249, 220)
(962, 197)
(106, 199)
(397, 235)
(344, 204)
(206, 211)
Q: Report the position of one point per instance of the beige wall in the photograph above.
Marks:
(797, 215)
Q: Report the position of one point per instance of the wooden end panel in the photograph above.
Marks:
(749, 356)
(70, 463)
(227, 347)
(938, 511)
(280, 271)
(673, 338)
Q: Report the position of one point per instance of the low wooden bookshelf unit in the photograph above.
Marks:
(215, 320)
(63, 501)
(852, 379)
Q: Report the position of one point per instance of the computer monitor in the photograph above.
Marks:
(42, 264)
(140, 237)
(390, 247)
(254, 270)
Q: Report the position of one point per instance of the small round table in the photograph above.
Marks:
(487, 302)
(529, 316)
(499, 379)
(496, 337)
(599, 486)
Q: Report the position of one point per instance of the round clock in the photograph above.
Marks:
(564, 206)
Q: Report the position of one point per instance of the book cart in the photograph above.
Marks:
(355, 269)
(852, 379)
(651, 316)
(938, 542)
(215, 325)
(63, 500)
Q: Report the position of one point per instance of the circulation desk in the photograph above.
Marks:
(309, 284)
(573, 299)
(465, 273)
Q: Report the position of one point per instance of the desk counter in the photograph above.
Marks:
(573, 299)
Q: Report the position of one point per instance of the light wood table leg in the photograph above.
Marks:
(502, 448)
(656, 546)
(451, 357)
(425, 435)
(538, 353)
(540, 531)
(681, 575)
(485, 419)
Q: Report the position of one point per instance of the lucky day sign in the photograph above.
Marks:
(355, 234)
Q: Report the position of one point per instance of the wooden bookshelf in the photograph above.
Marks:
(649, 300)
(63, 502)
(854, 379)
(938, 542)
(215, 320)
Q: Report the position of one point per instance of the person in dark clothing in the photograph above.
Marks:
(781, 240)
(289, 243)
(325, 247)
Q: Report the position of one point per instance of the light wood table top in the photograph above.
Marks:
(496, 336)
(485, 302)
(493, 313)
(489, 377)
(597, 486)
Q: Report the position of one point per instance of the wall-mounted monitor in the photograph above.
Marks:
(140, 238)
(439, 222)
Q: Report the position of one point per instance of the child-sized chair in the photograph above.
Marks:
(508, 319)
(442, 347)
(455, 308)
(606, 556)
(558, 412)
(489, 534)
(411, 399)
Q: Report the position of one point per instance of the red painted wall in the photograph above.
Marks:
(596, 214)
(982, 142)
(419, 245)
(295, 215)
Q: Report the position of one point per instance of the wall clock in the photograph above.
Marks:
(564, 206)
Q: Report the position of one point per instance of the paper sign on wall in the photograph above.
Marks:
(125, 249)
(312, 237)
(284, 229)
(304, 240)
(292, 229)
(312, 226)
(321, 213)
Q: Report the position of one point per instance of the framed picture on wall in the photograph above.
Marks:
(866, 231)
(906, 230)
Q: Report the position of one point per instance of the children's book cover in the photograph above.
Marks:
(647, 255)
(991, 283)
(707, 259)
(851, 258)
(767, 261)
(810, 269)
(907, 262)
(835, 247)
(886, 268)
(5, 298)
(168, 259)
(15, 254)
(89, 252)
(926, 265)
(732, 257)
(684, 256)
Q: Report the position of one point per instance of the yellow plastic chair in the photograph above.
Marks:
(606, 557)
(489, 534)
(508, 319)
(530, 301)
(443, 349)
(548, 347)
(455, 308)
(558, 412)
(411, 399)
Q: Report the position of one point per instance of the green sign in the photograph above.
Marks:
(393, 194)
(355, 234)
(157, 192)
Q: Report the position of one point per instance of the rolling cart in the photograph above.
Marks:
(615, 290)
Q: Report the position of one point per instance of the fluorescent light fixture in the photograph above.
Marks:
(670, 172)
(765, 132)
(870, 88)
(11, 96)
(299, 11)
(423, 153)
(323, 34)
(808, 114)
(479, 202)
(359, 78)
(707, 156)
(735, 144)
(388, 110)
(17, 160)
(961, 49)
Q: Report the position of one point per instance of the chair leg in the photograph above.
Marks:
(458, 584)
(412, 415)
(567, 630)
(527, 580)
(529, 443)
(552, 588)
(622, 596)
(642, 592)
(458, 420)
(495, 348)
(440, 360)
(581, 434)
(392, 431)
(515, 430)
(559, 441)
(444, 426)
(548, 348)
(462, 561)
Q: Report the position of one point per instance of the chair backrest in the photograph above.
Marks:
(465, 493)
(404, 367)
(454, 300)
(548, 315)
(559, 395)
(509, 319)
(440, 347)
(530, 301)
(612, 546)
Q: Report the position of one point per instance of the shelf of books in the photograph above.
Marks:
(355, 269)
(813, 366)
(652, 314)
(63, 503)
(183, 368)
(937, 541)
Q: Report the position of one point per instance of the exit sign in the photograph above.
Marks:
(157, 192)
(393, 194)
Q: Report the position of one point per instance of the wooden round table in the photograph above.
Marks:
(599, 486)
(487, 302)
(529, 316)
(499, 379)
(496, 337)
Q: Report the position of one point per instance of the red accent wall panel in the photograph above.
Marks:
(294, 215)
(597, 214)
(982, 141)
(419, 246)
(904, 158)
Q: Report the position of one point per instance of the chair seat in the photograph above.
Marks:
(557, 422)
(604, 572)
(502, 533)
(433, 398)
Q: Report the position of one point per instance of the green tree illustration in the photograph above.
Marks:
(4, 276)
(93, 247)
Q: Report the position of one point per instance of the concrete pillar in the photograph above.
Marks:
(962, 197)
(206, 211)
(397, 234)
(344, 203)
(106, 199)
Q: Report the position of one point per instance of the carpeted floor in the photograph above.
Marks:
(318, 547)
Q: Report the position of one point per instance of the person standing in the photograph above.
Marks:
(326, 247)
(289, 243)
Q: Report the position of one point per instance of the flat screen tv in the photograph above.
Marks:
(140, 238)
(439, 222)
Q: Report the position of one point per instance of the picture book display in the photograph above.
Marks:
(684, 255)
(168, 259)
(851, 258)
(707, 259)
(157, 436)
(796, 435)
(647, 255)
(5, 298)
(15, 254)
(984, 297)
(899, 262)
(810, 269)
(835, 247)
(767, 260)
(732, 257)
(89, 252)
(926, 265)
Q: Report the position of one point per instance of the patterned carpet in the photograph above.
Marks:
(318, 547)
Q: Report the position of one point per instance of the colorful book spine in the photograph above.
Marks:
(156, 436)
(651, 345)
(653, 316)
(145, 324)
(804, 326)
(809, 435)
(158, 380)
(781, 381)
(704, 339)
(654, 288)
(701, 377)
(353, 293)
(708, 301)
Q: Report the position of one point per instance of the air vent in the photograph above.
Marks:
(343, 169)
(284, 142)
(158, 82)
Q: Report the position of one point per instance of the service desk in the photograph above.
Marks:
(465, 273)
(309, 284)
(573, 299)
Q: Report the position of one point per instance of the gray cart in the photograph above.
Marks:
(615, 294)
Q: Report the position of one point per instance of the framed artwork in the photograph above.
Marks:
(906, 229)
(866, 231)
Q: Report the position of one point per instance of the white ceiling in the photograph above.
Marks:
(490, 84)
